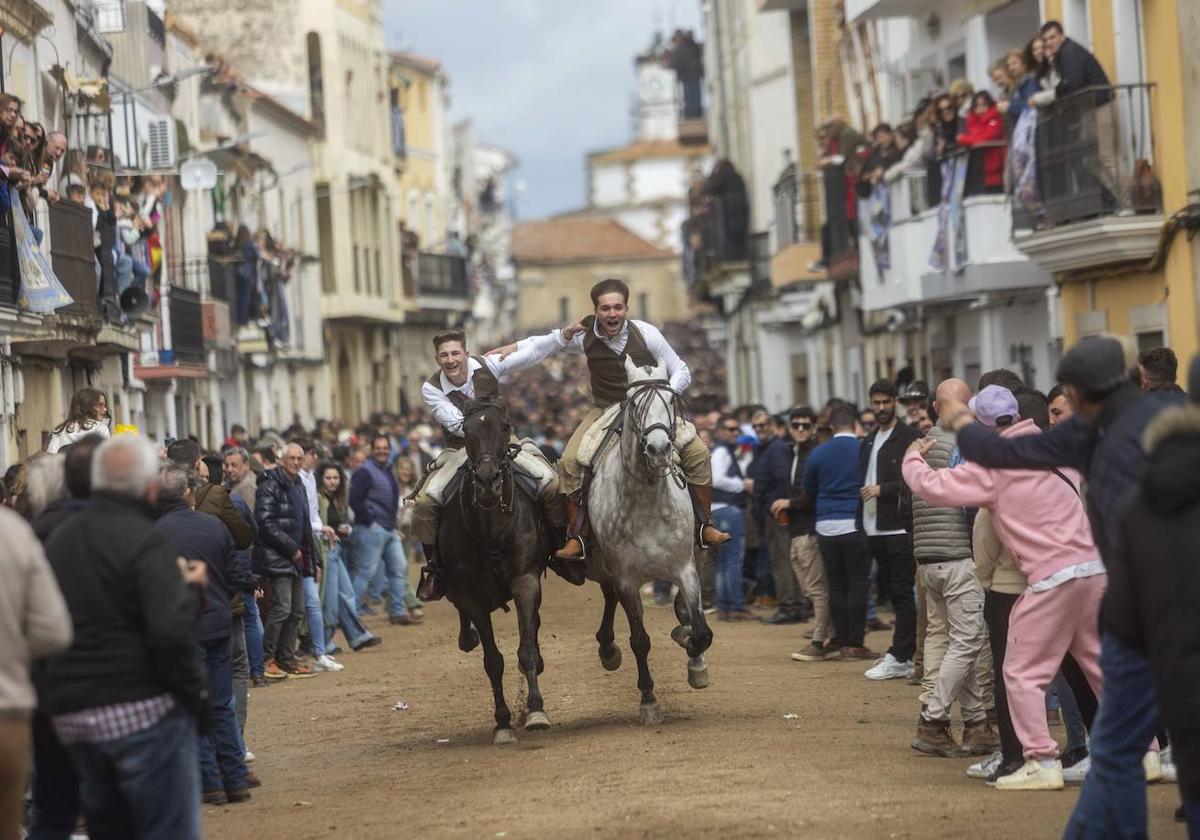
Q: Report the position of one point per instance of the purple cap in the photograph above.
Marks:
(993, 402)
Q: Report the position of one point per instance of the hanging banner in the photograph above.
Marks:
(879, 221)
(40, 290)
(950, 245)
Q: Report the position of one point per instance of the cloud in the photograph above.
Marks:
(549, 79)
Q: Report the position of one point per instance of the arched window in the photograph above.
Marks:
(316, 84)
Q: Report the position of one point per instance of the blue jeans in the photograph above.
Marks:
(314, 615)
(338, 602)
(1113, 801)
(143, 785)
(871, 592)
(221, 748)
(254, 636)
(1072, 719)
(732, 521)
(374, 545)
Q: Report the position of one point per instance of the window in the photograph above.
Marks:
(325, 237)
(357, 276)
(316, 85)
(644, 305)
(1151, 339)
(564, 310)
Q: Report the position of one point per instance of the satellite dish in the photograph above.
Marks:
(198, 174)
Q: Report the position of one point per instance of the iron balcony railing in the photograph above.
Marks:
(442, 274)
(10, 274)
(1095, 155)
(839, 236)
(797, 207)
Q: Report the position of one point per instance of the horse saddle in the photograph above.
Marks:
(604, 433)
(531, 471)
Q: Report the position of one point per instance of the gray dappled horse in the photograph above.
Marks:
(643, 529)
(494, 545)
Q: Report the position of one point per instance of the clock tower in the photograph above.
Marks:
(657, 108)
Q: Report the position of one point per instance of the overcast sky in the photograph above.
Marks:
(549, 80)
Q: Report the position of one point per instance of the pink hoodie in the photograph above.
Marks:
(1037, 515)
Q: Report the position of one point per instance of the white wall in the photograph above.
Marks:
(609, 185)
(658, 178)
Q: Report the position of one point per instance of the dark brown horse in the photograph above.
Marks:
(494, 546)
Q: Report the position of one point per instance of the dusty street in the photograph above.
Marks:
(337, 761)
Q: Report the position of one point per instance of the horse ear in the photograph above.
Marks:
(630, 369)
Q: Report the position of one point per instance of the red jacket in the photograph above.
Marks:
(983, 129)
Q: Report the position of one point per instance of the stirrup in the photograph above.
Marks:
(700, 535)
(581, 558)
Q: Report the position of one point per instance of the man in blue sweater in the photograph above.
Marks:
(375, 501)
(832, 476)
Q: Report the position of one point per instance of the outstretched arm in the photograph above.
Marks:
(529, 352)
(1063, 446)
(969, 485)
(677, 370)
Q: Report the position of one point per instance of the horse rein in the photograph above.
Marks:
(640, 397)
(506, 478)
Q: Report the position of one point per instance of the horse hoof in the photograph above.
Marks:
(698, 677)
(504, 736)
(537, 721)
(612, 659)
(681, 635)
(651, 714)
(467, 642)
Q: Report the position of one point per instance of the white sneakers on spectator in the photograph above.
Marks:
(890, 668)
(1077, 772)
(327, 663)
(248, 757)
(1045, 774)
(1152, 764)
(1168, 766)
(985, 768)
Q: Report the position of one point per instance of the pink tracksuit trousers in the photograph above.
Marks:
(1043, 628)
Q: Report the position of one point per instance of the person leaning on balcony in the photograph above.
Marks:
(985, 126)
(88, 416)
(1024, 83)
(1077, 68)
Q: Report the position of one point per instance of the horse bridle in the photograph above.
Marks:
(639, 398)
(505, 467)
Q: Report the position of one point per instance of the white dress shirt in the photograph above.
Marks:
(314, 508)
(678, 372)
(530, 352)
(720, 460)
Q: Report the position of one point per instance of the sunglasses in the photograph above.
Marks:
(802, 425)
(760, 426)
(731, 429)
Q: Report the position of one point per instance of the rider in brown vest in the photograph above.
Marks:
(462, 377)
(606, 338)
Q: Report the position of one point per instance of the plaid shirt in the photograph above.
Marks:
(110, 723)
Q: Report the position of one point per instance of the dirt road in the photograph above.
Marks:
(337, 761)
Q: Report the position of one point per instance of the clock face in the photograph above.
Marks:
(653, 88)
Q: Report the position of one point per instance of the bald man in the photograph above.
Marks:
(955, 632)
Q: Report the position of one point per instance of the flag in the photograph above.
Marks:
(40, 290)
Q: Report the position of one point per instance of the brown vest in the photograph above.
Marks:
(607, 369)
(486, 385)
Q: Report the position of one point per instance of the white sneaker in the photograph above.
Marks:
(327, 663)
(1167, 760)
(1033, 776)
(248, 757)
(1152, 764)
(889, 668)
(985, 768)
(1077, 772)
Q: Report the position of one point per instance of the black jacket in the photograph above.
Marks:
(802, 517)
(281, 512)
(1154, 580)
(1108, 453)
(55, 514)
(133, 616)
(769, 469)
(201, 536)
(1078, 69)
(888, 515)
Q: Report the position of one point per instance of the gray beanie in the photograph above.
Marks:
(1095, 365)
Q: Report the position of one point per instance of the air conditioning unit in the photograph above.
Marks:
(160, 151)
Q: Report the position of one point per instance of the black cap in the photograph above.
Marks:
(917, 390)
(1095, 365)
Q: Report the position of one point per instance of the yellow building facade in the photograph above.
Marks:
(1123, 297)
(419, 139)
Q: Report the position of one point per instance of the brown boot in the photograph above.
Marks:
(702, 501)
(432, 586)
(979, 738)
(933, 737)
(573, 550)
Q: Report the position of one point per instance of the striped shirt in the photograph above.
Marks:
(111, 723)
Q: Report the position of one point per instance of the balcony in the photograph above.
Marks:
(863, 10)
(797, 228)
(839, 235)
(442, 281)
(10, 274)
(1098, 200)
(899, 266)
(73, 259)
